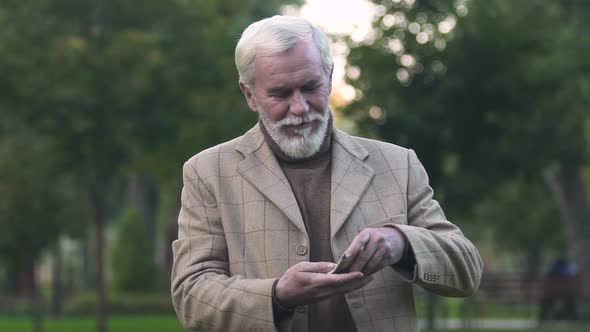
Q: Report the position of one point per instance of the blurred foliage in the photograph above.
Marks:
(121, 303)
(94, 90)
(134, 266)
(37, 198)
(489, 93)
(123, 323)
(13, 307)
(126, 84)
(521, 224)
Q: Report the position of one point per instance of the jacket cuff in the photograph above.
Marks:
(280, 312)
(407, 265)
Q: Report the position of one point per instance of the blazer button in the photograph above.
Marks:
(301, 250)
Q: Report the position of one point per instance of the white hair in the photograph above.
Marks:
(274, 35)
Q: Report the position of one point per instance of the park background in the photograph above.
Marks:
(101, 102)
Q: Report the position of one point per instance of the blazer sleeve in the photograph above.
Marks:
(447, 263)
(204, 295)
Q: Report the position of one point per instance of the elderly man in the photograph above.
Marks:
(265, 216)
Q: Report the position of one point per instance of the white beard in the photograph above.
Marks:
(307, 142)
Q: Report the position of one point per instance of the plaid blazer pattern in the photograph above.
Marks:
(240, 229)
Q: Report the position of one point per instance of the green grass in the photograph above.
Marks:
(468, 308)
(152, 323)
(169, 323)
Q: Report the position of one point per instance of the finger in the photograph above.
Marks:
(323, 292)
(316, 267)
(375, 264)
(328, 291)
(364, 256)
(336, 280)
(357, 244)
(352, 286)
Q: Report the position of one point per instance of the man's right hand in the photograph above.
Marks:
(307, 282)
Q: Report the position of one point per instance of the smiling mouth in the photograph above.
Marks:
(301, 129)
(301, 126)
(297, 130)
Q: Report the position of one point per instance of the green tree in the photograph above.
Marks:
(37, 205)
(489, 92)
(529, 226)
(124, 87)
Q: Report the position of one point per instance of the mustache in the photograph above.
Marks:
(299, 120)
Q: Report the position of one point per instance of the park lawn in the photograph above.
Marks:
(151, 323)
(459, 308)
(169, 323)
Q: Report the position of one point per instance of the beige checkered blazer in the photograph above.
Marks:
(240, 228)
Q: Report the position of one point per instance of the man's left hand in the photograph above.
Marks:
(375, 248)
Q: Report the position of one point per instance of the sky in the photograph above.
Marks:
(338, 18)
(351, 17)
(355, 18)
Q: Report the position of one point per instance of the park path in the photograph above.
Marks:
(499, 324)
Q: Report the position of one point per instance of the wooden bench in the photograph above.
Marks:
(513, 287)
(507, 294)
(510, 288)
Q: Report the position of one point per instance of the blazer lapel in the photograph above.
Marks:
(261, 168)
(350, 178)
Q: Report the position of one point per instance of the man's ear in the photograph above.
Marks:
(249, 94)
(330, 77)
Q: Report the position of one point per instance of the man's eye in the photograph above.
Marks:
(280, 94)
(310, 88)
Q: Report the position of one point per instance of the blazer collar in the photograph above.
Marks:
(250, 141)
(261, 168)
(348, 143)
(350, 176)
(253, 139)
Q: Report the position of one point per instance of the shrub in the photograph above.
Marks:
(121, 303)
(134, 267)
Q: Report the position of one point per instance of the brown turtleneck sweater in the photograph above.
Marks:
(310, 181)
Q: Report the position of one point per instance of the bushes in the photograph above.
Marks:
(120, 303)
(134, 267)
(84, 304)
(14, 306)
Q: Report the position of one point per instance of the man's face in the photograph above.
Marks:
(291, 91)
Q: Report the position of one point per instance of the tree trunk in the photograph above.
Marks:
(567, 186)
(532, 268)
(35, 297)
(24, 282)
(171, 234)
(532, 260)
(56, 282)
(101, 291)
(143, 197)
(430, 310)
(10, 286)
(88, 276)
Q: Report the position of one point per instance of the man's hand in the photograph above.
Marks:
(375, 248)
(307, 282)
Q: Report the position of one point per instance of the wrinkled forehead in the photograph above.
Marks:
(302, 59)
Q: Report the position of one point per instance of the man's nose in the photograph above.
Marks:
(298, 105)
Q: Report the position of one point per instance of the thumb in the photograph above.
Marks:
(357, 245)
(365, 238)
(316, 267)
